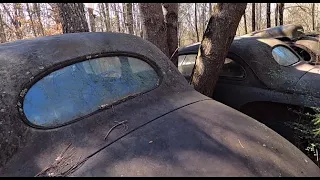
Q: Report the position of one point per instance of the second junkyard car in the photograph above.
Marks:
(262, 77)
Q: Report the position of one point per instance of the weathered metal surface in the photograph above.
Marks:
(197, 141)
(263, 72)
(290, 31)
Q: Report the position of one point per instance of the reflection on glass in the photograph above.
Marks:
(79, 89)
(186, 64)
(284, 56)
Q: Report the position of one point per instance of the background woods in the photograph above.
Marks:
(26, 20)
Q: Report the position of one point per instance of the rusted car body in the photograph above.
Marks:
(251, 66)
(143, 118)
(264, 78)
(306, 44)
(308, 47)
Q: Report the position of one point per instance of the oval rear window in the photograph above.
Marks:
(284, 56)
(82, 88)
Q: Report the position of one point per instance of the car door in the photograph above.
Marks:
(237, 84)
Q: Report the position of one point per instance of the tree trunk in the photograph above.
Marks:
(203, 18)
(245, 23)
(124, 18)
(135, 19)
(73, 17)
(129, 17)
(196, 21)
(268, 15)
(56, 14)
(3, 37)
(18, 16)
(116, 12)
(154, 27)
(19, 8)
(91, 20)
(171, 20)
(281, 8)
(101, 17)
(30, 14)
(259, 22)
(216, 42)
(36, 8)
(276, 15)
(210, 10)
(312, 14)
(14, 22)
(139, 19)
(106, 16)
(253, 24)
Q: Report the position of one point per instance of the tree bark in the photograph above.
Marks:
(30, 14)
(140, 22)
(91, 20)
(19, 10)
(281, 8)
(37, 9)
(245, 23)
(73, 17)
(15, 22)
(18, 16)
(153, 25)
(101, 17)
(124, 18)
(203, 18)
(216, 42)
(56, 14)
(171, 20)
(268, 15)
(106, 16)
(253, 23)
(196, 21)
(135, 19)
(116, 12)
(312, 14)
(276, 15)
(259, 22)
(129, 16)
(210, 10)
(3, 37)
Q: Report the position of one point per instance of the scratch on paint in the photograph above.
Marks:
(240, 143)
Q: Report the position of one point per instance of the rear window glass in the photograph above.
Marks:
(232, 69)
(284, 56)
(303, 53)
(82, 88)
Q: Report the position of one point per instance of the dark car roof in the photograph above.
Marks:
(312, 43)
(170, 117)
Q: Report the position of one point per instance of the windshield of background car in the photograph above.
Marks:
(284, 56)
(82, 88)
(230, 68)
(186, 63)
